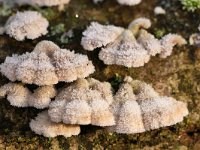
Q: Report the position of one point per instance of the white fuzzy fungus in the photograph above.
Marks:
(98, 35)
(168, 42)
(42, 125)
(84, 102)
(195, 38)
(27, 24)
(158, 10)
(20, 96)
(130, 47)
(47, 65)
(138, 108)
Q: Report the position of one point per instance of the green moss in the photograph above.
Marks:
(5, 10)
(190, 5)
(159, 32)
(57, 29)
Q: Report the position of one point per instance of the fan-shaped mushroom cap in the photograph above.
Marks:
(149, 42)
(142, 90)
(130, 47)
(46, 47)
(17, 95)
(125, 51)
(37, 69)
(137, 108)
(20, 96)
(139, 23)
(84, 102)
(161, 112)
(42, 125)
(27, 24)
(41, 97)
(42, 2)
(47, 65)
(127, 112)
(98, 35)
(168, 42)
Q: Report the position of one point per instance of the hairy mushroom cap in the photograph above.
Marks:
(149, 42)
(71, 66)
(84, 102)
(17, 94)
(129, 2)
(27, 24)
(139, 23)
(194, 38)
(127, 112)
(161, 112)
(37, 69)
(158, 10)
(41, 97)
(138, 108)
(142, 90)
(42, 125)
(42, 2)
(20, 96)
(130, 47)
(97, 35)
(168, 42)
(124, 51)
(10, 65)
(47, 65)
(46, 47)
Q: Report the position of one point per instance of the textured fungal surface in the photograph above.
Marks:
(138, 108)
(20, 96)
(42, 125)
(176, 76)
(195, 38)
(130, 47)
(47, 65)
(27, 24)
(85, 102)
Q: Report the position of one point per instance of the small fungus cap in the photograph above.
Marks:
(137, 107)
(27, 24)
(47, 65)
(84, 102)
(42, 125)
(20, 96)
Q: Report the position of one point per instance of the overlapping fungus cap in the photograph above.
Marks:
(130, 47)
(42, 125)
(98, 35)
(27, 24)
(84, 102)
(138, 108)
(20, 96)
(47, 65)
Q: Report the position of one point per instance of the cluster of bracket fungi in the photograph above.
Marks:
(136, 107)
